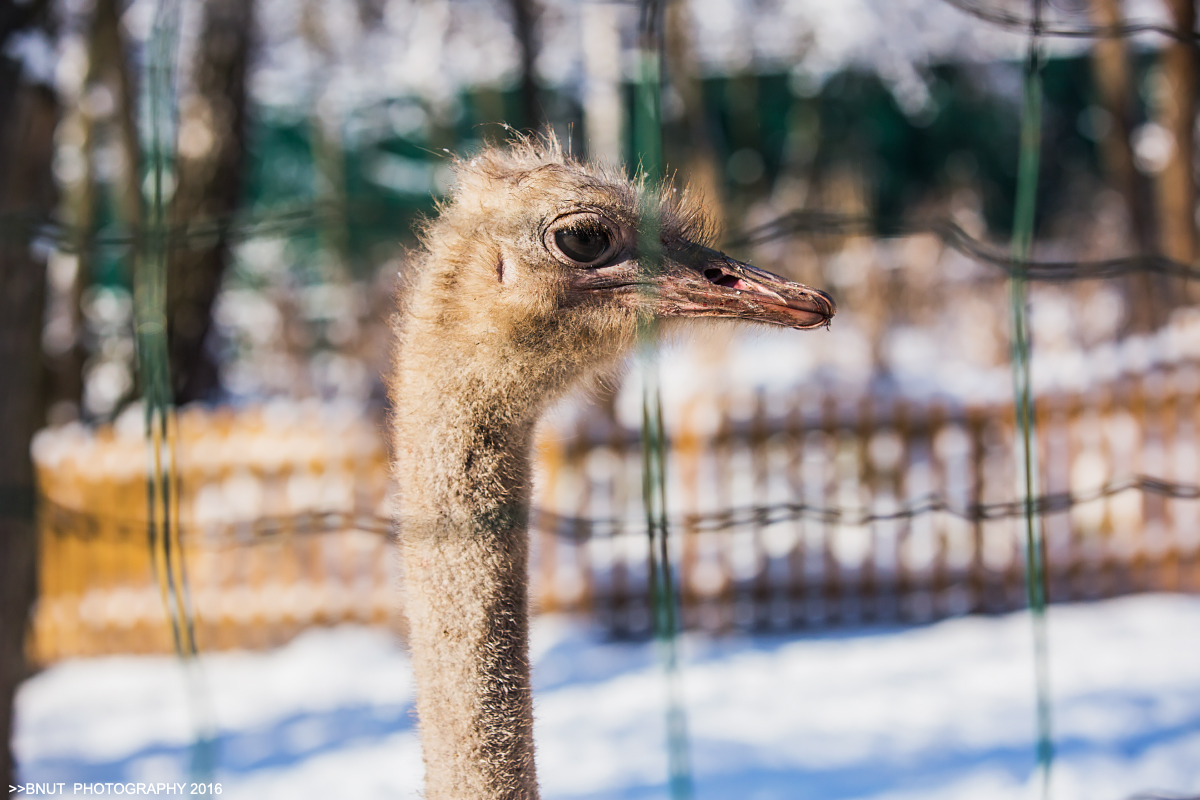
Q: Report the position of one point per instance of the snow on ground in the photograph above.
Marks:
(943, 711)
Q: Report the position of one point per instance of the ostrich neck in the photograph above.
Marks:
(462, 446)
(463, 427)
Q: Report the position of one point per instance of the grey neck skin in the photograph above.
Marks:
(462, 439)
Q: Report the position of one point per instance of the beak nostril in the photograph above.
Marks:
(721, 278)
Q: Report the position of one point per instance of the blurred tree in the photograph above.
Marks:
(692, 148)
(525, 16)
(1114, 85)
(28, 115)
(1176, 110)
(370, 13)
(211, 148)
(110, 52)
(100, 108)
(603, 108)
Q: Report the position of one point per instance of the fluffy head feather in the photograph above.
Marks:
(488, 277)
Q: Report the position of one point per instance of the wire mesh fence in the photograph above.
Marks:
(807, 508)
(786, 511)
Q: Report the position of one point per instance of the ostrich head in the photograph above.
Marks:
(556, 267)
(537, 273)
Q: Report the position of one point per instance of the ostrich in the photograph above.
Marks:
(529, 282)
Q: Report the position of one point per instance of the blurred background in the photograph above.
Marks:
(846, 536)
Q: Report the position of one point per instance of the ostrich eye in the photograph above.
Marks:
(585, 245)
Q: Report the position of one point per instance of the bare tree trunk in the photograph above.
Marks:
(525, 14)
(603, 111)
(64, 350)
(108, 69)
(703, 174)
(1114, 84)
(28, 115)
(112, 47)
(1177, 114)
(208, 185)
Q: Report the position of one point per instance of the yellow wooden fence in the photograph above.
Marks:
(255, 484)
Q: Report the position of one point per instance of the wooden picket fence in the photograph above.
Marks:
(814, 510)
(280, 511)
(786, 510)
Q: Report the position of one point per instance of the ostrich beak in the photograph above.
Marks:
(697, 281)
